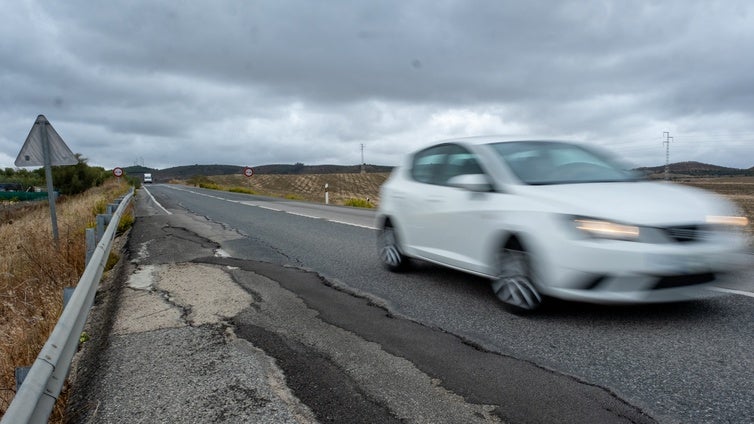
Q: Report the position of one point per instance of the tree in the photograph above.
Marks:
(75, 179)
(297, 168)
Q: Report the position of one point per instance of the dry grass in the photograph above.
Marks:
(34, 271)
(346, 189)
(737, 189)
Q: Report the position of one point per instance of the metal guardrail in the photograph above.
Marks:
(36, 397)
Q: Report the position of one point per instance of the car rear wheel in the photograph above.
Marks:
(390, 250)
(514, 283)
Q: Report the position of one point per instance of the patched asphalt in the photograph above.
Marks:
(182, 333)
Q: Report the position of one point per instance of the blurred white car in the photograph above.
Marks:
(547, 218)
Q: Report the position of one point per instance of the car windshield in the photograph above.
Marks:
(540, 163)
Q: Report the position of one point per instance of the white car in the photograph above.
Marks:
(549, 218)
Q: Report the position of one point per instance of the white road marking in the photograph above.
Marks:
(732, 291)
(368, 227)
(269, 208)
(155, 201)
(304, 215)
(264, 207)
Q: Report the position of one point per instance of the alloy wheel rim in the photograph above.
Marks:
(513, 285)
(389, 252)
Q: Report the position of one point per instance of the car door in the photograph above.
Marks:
(421, 199)
(459, 225)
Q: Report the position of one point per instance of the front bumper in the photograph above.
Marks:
(605, 271)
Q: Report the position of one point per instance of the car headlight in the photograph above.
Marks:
(728, 221)
(597, 228)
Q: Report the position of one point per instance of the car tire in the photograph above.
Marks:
(514, 285)
(390, 251)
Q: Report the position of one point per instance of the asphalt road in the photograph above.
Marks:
(690, 362)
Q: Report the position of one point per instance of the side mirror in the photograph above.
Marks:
(471, 182)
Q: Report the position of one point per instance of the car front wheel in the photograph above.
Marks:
(514, 283)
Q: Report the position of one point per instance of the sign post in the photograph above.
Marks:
(44, 147)
(248, 172)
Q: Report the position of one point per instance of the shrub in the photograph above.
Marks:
(126, 221)
(100, 206)
(211, 186)
(242, 190)
(198, 180)
(112, 260)
(358, 203)
(75, 179)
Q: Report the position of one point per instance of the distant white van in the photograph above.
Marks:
(148, 178)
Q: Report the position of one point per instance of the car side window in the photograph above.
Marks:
(460, 161)
(428, 164)
(438, 164)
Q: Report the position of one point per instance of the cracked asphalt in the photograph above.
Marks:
(183, 332)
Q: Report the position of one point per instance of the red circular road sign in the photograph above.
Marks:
(248, 171)
(118, 172)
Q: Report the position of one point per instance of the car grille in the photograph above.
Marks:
(685, 234)
(684, 280)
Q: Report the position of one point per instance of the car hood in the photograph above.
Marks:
(644, 203)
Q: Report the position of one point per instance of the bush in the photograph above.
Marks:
(112, 260)
(75, 179)
(198, 180)
(126, 222)
(134, 181)
(358, 203)
(210, 186)
(22, 176)
(242, 190)
(100, 206)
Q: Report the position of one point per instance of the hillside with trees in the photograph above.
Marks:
(697, 169)
(189, 171)
(68, 180)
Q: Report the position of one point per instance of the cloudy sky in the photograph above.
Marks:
(167, 83)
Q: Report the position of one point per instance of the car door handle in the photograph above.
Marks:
(433, 199)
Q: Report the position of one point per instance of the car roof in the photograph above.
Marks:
(487, 139)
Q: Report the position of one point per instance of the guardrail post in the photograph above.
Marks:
(20, 374)
(102, 221)
(100, 228)
(91, 244)
(67, 293)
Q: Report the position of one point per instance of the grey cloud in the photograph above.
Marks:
(172, 78)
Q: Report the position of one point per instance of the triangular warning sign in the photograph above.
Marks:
(32, 154)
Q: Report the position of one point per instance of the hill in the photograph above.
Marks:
(137, 169)
(679, 170)
(301, 169)
(696, 169)
(188, 171)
